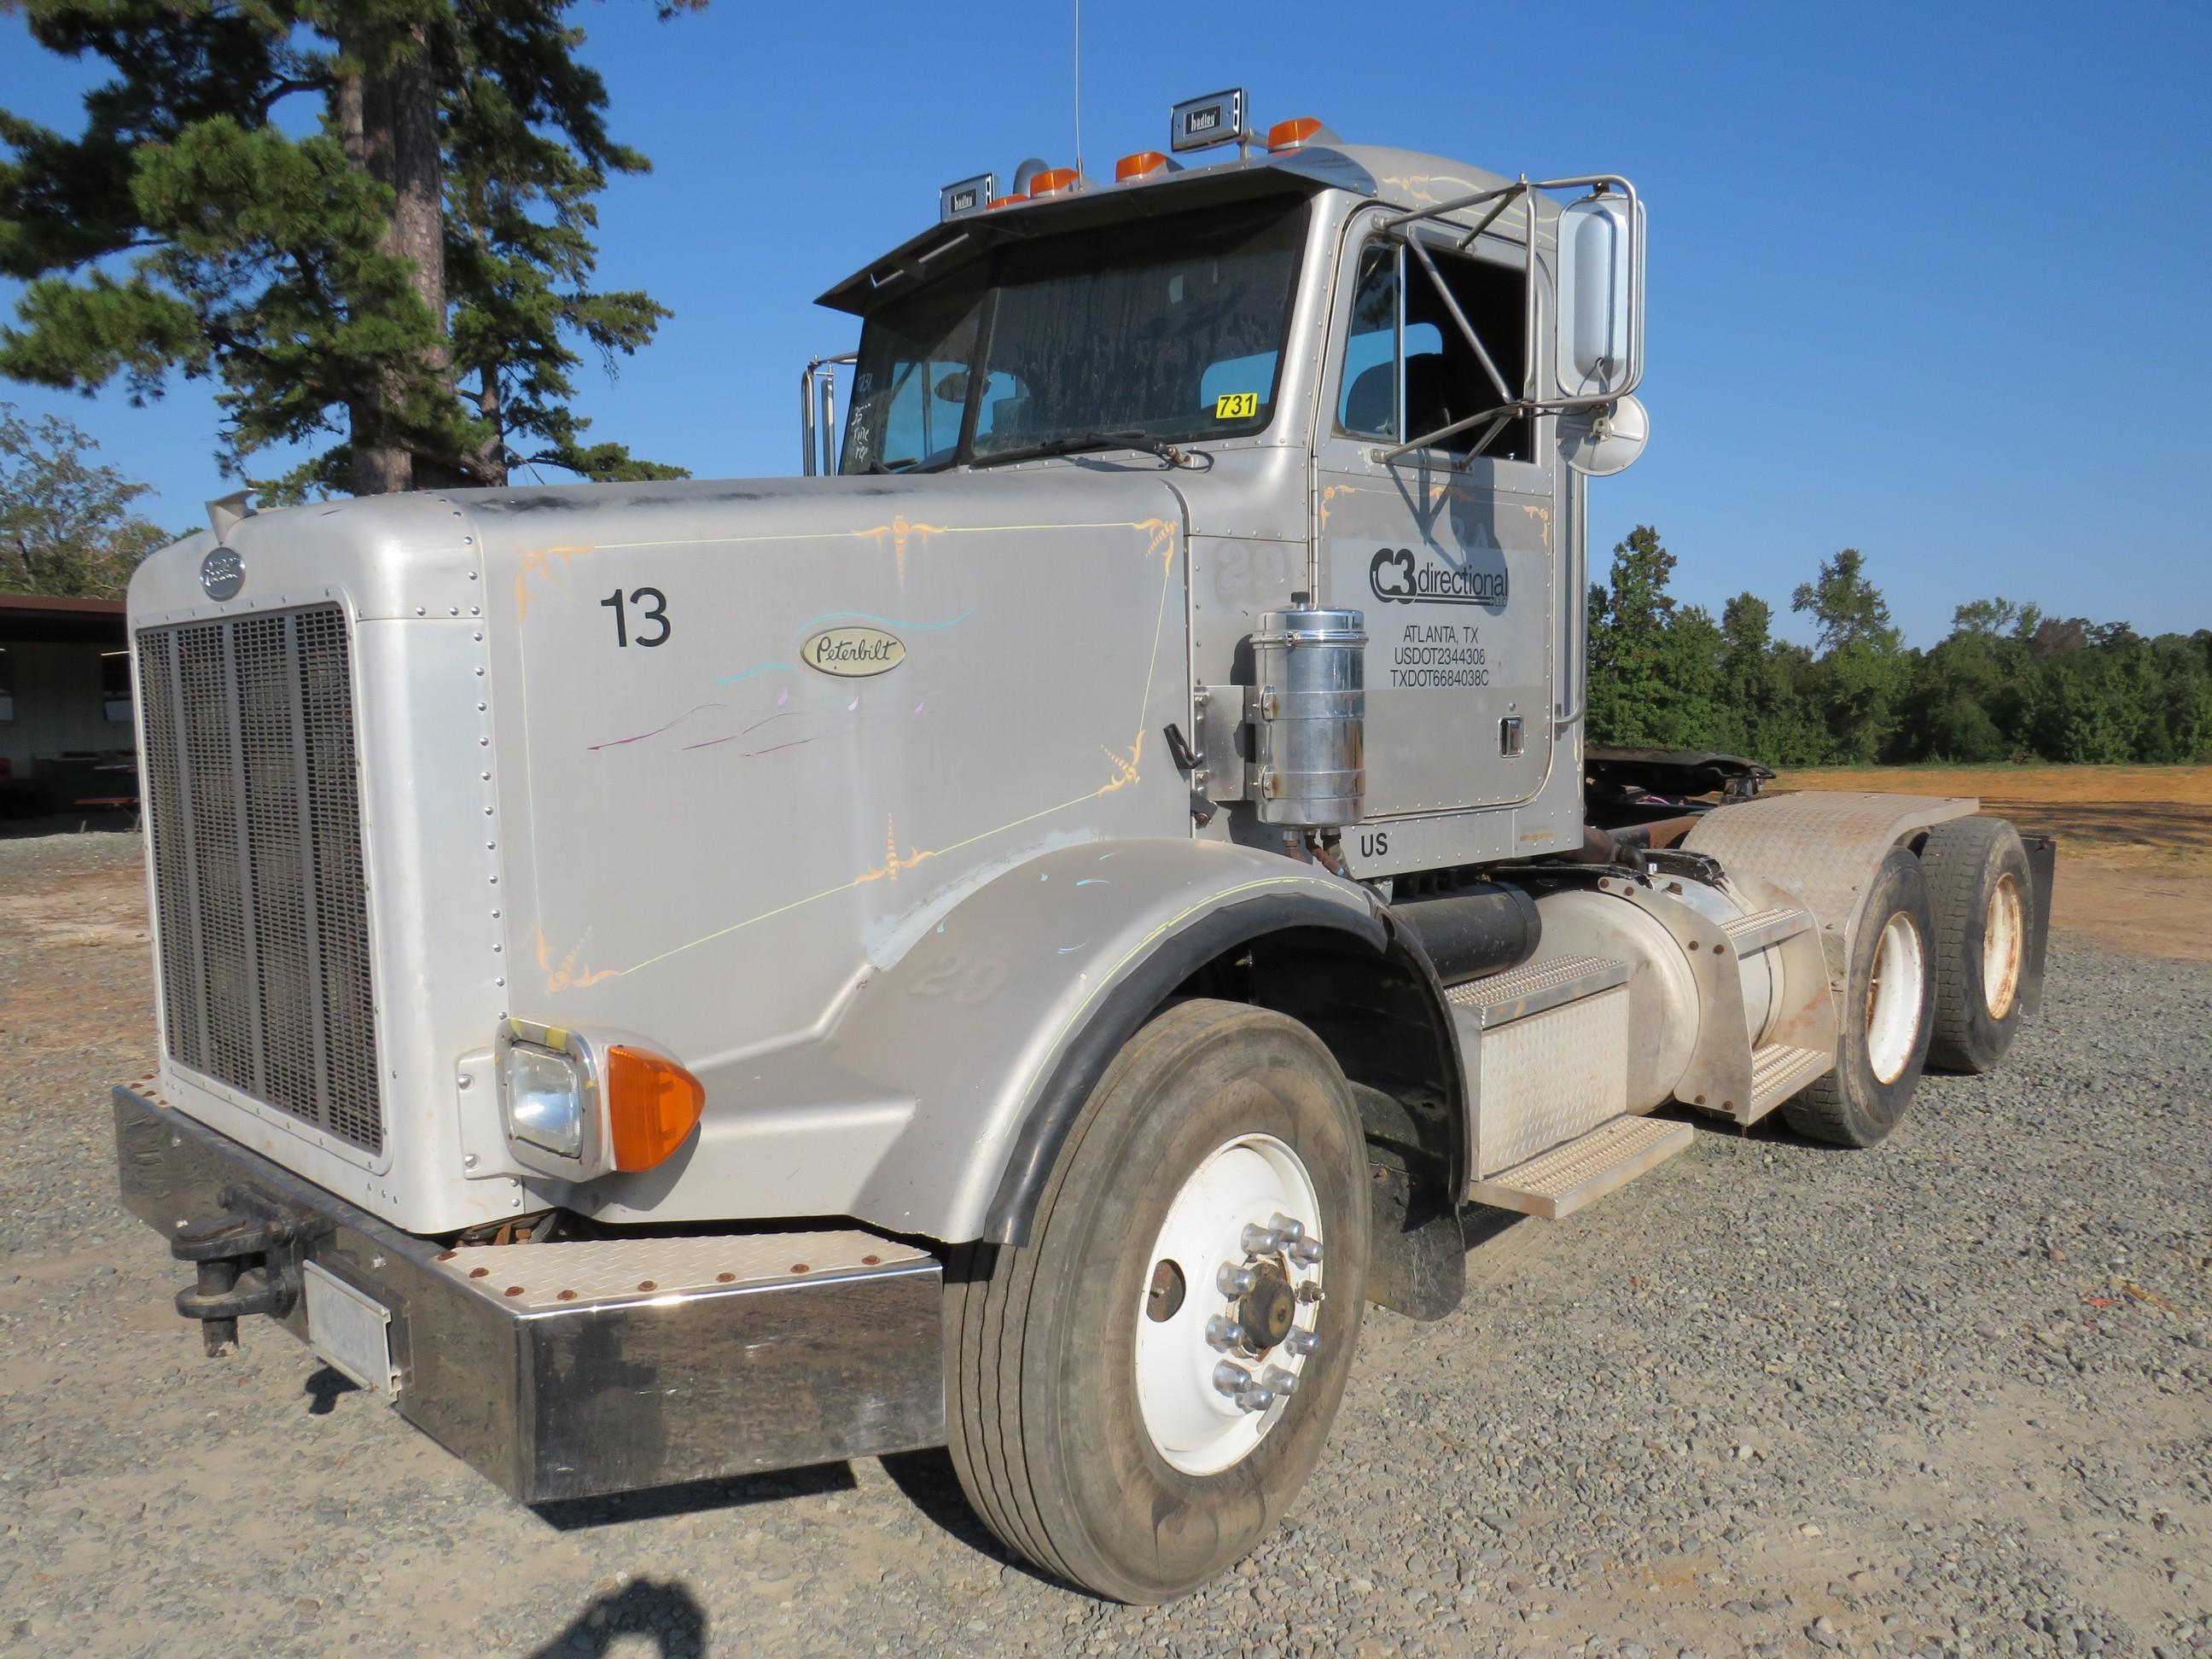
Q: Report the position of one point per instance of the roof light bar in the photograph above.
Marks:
(969, 195)
(1201, 123)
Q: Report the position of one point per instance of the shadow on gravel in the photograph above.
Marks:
(927, 1480)
(323, 1389)
(667, 1615)
(735, 1492)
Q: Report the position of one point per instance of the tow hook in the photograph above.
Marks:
(247, 1254)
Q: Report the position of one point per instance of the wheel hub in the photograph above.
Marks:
(1230, 1307)
(1269, 1307)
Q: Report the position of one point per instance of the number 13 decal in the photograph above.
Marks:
(652, 607)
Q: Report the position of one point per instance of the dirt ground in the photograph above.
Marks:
(1942, 1400)
(2135, 842)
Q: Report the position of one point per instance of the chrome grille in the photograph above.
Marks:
(247, 728)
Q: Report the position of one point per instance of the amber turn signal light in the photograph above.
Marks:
(653, 1105)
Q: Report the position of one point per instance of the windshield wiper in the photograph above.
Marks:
(1076, 442)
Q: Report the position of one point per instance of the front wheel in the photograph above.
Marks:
(1134, 1398)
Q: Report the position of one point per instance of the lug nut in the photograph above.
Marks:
(1234, 1280)
(1260, 1241)
(1232, 1380)
(1280, 1381)
(1257, 1398)
(1288, 1230)
(1223, 1333)
(1302, 1342)
(1306, 1252)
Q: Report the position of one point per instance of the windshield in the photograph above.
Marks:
(1165, 329)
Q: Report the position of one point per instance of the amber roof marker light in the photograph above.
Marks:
(1295, 133)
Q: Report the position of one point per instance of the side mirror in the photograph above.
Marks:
(1600, 297)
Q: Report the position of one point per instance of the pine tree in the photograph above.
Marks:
(1629, 614)
(434, 223)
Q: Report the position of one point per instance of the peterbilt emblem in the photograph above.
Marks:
(853, 654)
(222, 573)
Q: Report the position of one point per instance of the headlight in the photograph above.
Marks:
(545, 1099)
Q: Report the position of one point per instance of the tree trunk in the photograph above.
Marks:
(490, 459)
(387, 112)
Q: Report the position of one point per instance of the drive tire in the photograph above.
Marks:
(1982, 895)
(1047, 1432)
(1882, 1025)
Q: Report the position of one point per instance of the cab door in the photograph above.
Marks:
(1446, 550)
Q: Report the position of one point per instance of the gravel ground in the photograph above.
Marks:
(1953, 1396)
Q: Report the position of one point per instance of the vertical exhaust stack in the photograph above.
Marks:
(1310, 714)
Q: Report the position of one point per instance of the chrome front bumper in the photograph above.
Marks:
(566, 1370)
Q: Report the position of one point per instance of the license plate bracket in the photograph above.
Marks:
(349, 1330)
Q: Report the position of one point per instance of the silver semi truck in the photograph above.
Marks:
(1014, 939)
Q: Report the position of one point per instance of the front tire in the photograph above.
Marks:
(1087, 1422)
(1884, 1016)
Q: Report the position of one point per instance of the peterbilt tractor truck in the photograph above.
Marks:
(1012, 938)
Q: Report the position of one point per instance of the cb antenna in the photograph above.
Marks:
(1079, 91)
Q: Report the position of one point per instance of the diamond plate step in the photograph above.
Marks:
(1778, 1071)
(1757, 929)
(1532, 989)
(1563, 1180)
(540, 1278)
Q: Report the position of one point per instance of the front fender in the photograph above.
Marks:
(999, 1020)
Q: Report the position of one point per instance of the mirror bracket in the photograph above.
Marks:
(1602, 185)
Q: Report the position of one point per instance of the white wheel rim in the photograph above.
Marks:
(1245, 1182)
(2002, 934)
(1894, 998)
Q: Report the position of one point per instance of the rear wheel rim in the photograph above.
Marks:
(2003, 932)
(1895, 992)
(1199, 1382)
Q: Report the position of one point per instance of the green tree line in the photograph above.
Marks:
(2007, 683)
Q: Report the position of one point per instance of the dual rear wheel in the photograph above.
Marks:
(1936, 972)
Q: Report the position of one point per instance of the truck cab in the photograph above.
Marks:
(1012, 938)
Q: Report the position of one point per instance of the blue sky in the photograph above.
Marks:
(1929, 280)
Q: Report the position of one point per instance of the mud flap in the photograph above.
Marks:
(1416, 1255)
(2042, 865)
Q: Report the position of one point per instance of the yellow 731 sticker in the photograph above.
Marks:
(1236, 405)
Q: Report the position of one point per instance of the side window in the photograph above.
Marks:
(1444, 380)
(1368, 403)
(1446, 383)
